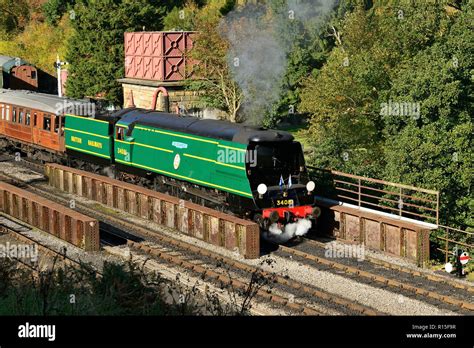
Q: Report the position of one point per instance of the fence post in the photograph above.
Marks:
(446, 247)
(360, 189)
(437, 208)
(400, 203)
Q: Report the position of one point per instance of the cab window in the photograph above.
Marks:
(120, 133)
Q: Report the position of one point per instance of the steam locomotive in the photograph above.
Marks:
(252, 172)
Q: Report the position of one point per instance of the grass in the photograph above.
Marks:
(121, 290)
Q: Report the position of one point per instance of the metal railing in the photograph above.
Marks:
(454, 237)
(403, 200)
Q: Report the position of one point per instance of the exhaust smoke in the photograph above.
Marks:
(295, 229)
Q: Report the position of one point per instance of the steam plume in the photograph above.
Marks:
(261, 37)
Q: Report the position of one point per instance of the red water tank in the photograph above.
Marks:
(158, 55)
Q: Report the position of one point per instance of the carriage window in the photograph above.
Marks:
(56, 124)
(35, 119)
(21, 117)
(62, 125)
(120, 133)
(47, 123)
(2, 107)
(8, 113)
(14, 114)
(28, 117)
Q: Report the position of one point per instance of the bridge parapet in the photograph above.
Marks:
(393, 218)
(382, 232)
(405, 201)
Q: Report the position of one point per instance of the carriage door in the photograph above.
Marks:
(3, 116)
(35, 123)
(44, 128)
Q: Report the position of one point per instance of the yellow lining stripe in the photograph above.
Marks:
(140, 144)
(233, 148)
(87, 118)
(216, 162)
(122, 141)
(153, 147)
(90, 152)
(199, 158)
(177, 135)
(94, 135)
(185, 177)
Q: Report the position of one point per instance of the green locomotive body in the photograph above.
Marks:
(254, 172)
(192, 158)
(89, 136)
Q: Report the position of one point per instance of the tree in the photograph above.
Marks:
(419, 56)
(39, 43)
(301, 30)
(15, 15)
(55, 9)
(341, 98)
(213, 73)
(434, 150)
(213, 77)
(95, 51)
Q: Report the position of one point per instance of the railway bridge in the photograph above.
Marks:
(393, 218)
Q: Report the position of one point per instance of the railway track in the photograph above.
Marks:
(308, 257)
(414, 283)
(45, 249)
(137, 231)
(219, 277)
(410, 271)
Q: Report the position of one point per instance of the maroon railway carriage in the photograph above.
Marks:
(32, 123)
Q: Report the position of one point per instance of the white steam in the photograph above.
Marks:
(261, 38)
(276, 235)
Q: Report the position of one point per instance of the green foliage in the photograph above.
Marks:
(308, 46)
(183, 17)
(228, 6)
(180, 19)
(39, 43)
(435, 151)
(54, 9)
(214, 80)
(95, 51)
(422, 55)
(15, 15)
(122, 290)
